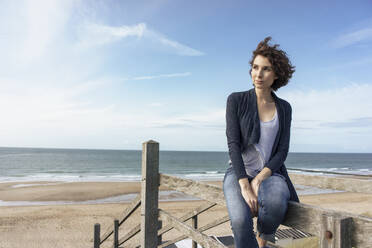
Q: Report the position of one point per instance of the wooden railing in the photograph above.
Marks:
(335, 229)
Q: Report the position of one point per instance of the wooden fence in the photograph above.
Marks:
(335, 229)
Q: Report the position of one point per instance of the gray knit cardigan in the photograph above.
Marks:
(243, 129)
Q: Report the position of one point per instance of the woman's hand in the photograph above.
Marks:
(255, 184)
(251, 199)
(248, 195)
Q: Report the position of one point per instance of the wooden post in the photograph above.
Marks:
(160, 237)
(97, 235)
(194, 224)
(149, 194)
(335, 231)
(116, 233)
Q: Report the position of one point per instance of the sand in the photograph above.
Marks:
(71, 225)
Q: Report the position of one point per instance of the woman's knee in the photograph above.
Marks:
(274, 187)
(273, 194)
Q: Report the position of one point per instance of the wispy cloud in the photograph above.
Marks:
(185, 74)
(357, 122)
(335, 119)
(346, 107)
(94, 34)
(352, 38)
(214, 119)
(176, 46)
(354, 63)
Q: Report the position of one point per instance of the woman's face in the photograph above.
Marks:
(262, 73)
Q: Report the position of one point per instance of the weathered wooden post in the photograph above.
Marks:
(149, 194)
(194, 225)
(97, 239)
(160, 237)
(116, 234)
(335, 231)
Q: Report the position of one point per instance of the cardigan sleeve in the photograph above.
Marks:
(279, 157)
(234, 137)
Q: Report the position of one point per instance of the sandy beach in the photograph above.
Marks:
(71, 225)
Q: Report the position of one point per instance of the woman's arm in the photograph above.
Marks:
(233, 136)
(255, 183)
(234, 145)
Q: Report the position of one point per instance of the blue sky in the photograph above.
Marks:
(112, 74)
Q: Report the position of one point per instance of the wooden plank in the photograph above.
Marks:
(201, 229)
(149, 194)
(300, 216)
(130, 234)
(336, 182)
(308, 218)
(344, 231)
(204, 191)
(304, 217)
(361, 231)
(160, 237)
(335, 232)
(116, 234)
(127, 212)
(194, 224)
(188, 216)
(202, 239)
(97, 230)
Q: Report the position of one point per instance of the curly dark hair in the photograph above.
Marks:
(279, 60)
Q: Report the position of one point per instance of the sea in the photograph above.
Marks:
(56, 166)
(84, 165)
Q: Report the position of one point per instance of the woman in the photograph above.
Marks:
(258, 130)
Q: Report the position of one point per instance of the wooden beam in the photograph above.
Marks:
(195, 226)
(362, 185)
(116, 234)
(127, 212)
(202, 239)
(149, 194)
(300, 216)
(97, 229)
(201, 229)
(188, 216)
(130, 234)
(335, 232)
(203, 191)
(309, 219)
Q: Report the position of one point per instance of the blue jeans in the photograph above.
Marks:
(273, 197)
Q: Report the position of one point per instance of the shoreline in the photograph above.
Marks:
(55, 193)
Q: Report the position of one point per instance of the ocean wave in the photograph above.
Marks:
(338, 171)
(200, 176)
(71, 178)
